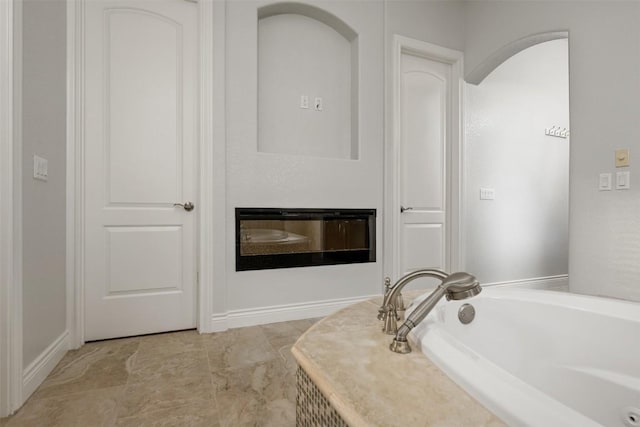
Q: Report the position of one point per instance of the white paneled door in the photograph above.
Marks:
(423, 158)
(140, 116)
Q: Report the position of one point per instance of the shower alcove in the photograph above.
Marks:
(307, 83)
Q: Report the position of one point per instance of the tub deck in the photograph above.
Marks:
(346, 356)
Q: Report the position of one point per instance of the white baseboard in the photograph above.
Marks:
(39, 369)
(549, 283)
(280, 313)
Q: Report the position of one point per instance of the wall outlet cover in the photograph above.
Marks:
(487, 193)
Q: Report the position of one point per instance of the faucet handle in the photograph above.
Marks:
(399, 307)
(399, 302)
(384, 310)
(390, 326)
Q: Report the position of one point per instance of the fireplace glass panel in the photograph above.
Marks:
(275, 238)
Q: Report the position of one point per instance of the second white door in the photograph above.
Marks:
(140, 152)
(423, 163)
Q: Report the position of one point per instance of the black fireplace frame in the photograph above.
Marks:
(306, 259)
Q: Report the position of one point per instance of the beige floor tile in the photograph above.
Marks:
(270, 380)
(169, 344)
(141, 399)
(263, 394)
(94, 366)
(193, 413)
(221, 340)
(88, 408)
(238, 348)
(242, 377)
(305, 324)
(287, 332)
(287, 358)
(171, 366)
(279, 413)
(283, 333)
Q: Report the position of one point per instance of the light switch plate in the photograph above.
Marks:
(622, 157)
(40, 168)
(604, 184)
(623, 180)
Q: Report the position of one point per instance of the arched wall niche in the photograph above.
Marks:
(307, 82)
(309, 11)
(501, 55)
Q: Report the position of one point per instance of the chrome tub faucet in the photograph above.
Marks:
(393, 303)
(456, 286)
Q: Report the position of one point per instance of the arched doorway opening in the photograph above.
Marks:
(517, 165)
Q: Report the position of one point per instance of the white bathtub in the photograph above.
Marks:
(541, 358)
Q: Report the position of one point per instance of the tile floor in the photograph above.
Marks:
(242, 377)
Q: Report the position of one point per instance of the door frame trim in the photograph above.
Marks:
(209, 15)
(455, 153)
(76, 175)
(11, 329)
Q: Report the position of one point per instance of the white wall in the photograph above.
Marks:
(604, 41)
(298, 56)
(256, 179)
(523, 233)
(43, 132)
(440, 22)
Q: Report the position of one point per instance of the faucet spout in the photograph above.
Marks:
(456, 286)
(392, 301)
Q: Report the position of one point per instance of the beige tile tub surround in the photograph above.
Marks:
(347, 357)
(242, 377)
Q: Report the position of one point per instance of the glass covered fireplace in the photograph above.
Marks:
(281, 238)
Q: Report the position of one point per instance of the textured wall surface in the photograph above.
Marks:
(604, 230)
(523, 233)
(288, 69)
(256, 179)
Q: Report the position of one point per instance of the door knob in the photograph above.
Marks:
(188, 206)
(402, 209)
